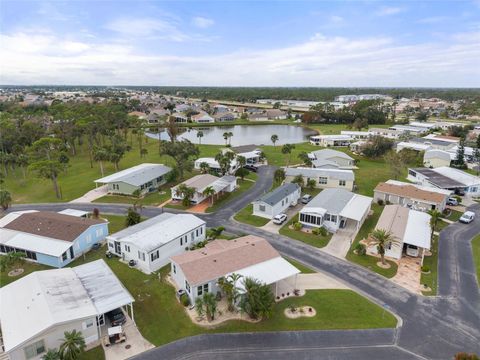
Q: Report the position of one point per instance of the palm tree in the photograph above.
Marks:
(209, 191)
(287, 150)
(228, 285)
(52, 354)
(100, 155)
(241, 160)
(5, 199)
(382, 239)
(435, 215)
(225, 137)
(11, 259)
(298, 179)
(305, 158)
(230, 134)
(257, 300)
(311, 184)
(73, 345)
(207, 304)
(274, 138)
(204, 167)
(199, 136)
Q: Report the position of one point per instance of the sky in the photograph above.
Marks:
(241, 43)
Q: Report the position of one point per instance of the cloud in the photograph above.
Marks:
(147, 27)
(336, 20)
(202, 22)
(388, 10)
(432, 20)
(319, 61)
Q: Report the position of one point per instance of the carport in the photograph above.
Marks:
(104, 289)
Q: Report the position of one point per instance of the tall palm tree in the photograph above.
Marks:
(209, 191)
(230, 135)
(435, 215)
(274, 138)
(228, 285)
(199, 136)
(382, 239)
(5, 199)
(100, 155)
(225, 137)
(287, 150)
(72, 346)
(204, 167)
(207, 304)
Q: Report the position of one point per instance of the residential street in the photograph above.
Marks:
(430, 327)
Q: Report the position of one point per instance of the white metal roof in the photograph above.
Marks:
(32, 242)
(137, 175)
(356, 207)
(48, 298)
(268, 272)
(102, 286)
(331, 137)
(414, 146)
(338, 174)
(458, 175)
(417, 231)
(73, 212)
(157, 231)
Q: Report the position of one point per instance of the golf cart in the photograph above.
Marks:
(115, 335)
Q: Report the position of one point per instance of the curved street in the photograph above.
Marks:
(429, 327)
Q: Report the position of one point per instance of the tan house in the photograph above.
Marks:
(437, 158)
(410, 195)
(324, 178)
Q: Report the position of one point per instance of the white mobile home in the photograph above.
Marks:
(331, 140)
(277, 201)
(151, 243)
(324, 178)
(227, 183)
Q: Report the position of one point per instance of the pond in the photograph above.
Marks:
(243, 134)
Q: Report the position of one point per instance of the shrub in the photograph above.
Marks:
(388, 202)
(316, 231)
(380, 202)
(323, 231)
(425, 268)
(360, 249)
(185, 300)
(292, 308)
(297, 226)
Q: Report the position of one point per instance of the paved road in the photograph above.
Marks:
(431, 327)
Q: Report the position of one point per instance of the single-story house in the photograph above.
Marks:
(357, 135)
(227, 183)
(277, 201)
(331, 140)
(251, 153)
(37, 309)
(336, 209)
(276, 114)
(407, 129)
(435, 143)
(144, 178)
(387, 133)
(223, 117)
(413, 146)
(50, 238)
(437, 158)
(261, 116)
(324, 178)
(446, 178)
(197, 272)
(214, 165)
(410, 228)
(413, 196)
(152, 242)
(203, 118)
(327, 156)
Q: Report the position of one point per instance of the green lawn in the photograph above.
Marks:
(432, 262)
(243, 185)
(116, 222)
(28, 268)
(245, 216)
(275, 157)
(154, 199)
(367, 261)
(454, 215)
(318, 241)
(96, 353)
(329, 129)
(441, 225)
(476, 255)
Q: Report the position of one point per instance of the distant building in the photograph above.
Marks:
(329, 158)
(225, 184)
(331, 140)
(446, 178)
(324, 178)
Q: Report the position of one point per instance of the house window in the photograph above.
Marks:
(155, 255)
(187, 286)
(89, 238)
(64, 256)
(192, 235)
(127, 248)
(181, 240)
(99, 232)
(262, 207)
(323, 180)
(201, 230)
(342, 182)
(333, 218)
(202, 289)
(174, 269)
(35, 349)
(412, 173)
(110, 245)
(88, 324)
(141, 256)
(196, 232)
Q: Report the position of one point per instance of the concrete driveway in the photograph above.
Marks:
(92, 195)
(291, 211)
(341, 241)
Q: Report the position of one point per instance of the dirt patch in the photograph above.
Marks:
(15, 272)
(298, 312)
(383, 266)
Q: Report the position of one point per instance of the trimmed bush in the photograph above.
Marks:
(380, 202)
(185, 300)
(425, 269)
(360, 249)
(297, 226)
(323, 231)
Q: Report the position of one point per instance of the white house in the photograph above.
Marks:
(410, 228)
(215, 166)
(251, 153)
(325, 158)
(277, 201)
(197, 272)
(437, 158)
(152, 242)
(324, 177)
(357, 135)
(203, 118)
(331, 140)
(336, 209)
(446, 178)
(224, 184)
(413, 146)
(37, 309)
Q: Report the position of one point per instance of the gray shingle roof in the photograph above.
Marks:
(332, 200)
(275, 196)
(313, 172)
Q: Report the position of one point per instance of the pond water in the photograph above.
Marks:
(243, 134)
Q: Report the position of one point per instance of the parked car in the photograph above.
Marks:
(306, 199)
(251, 167)
(467, 217)
(279, 219)
(116, 317)
(459, 192)
(412, 250)
(452, 201)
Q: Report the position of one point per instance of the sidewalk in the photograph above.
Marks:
(92, 195)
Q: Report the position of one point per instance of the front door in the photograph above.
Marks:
(118, 248)
(72, 255)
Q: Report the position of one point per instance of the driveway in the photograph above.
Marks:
(341, 241)
(92, 195)
(291, 211)
(408, 274)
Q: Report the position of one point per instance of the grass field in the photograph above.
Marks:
(96, 353)
(154, 199)
(432, 262)
(245, 216)
(318, 241)
(476, 255)
(367, 261)
(243, 185)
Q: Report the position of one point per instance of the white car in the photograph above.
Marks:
(412, 250)
(467, 217)
(279, 219)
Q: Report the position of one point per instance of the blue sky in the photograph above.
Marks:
(241, 43)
